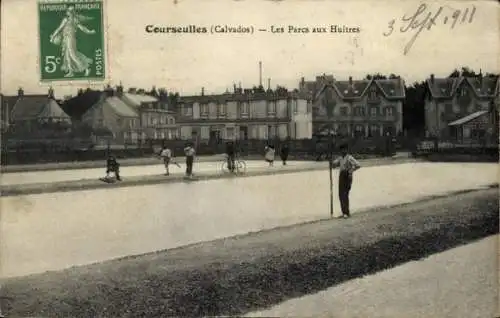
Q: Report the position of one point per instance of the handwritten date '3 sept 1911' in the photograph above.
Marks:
(425, 18)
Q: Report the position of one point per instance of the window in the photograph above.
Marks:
(187, 110)
(389, 111)
(343, 111)
(374, 130)
(373, 111)
(230, 133)
(221, 109)
(373, 92)
(295, 106)
(359, 111)
(244, 108)
(359, 130)
(309, 107)
(204, 110)
(170, 120)
(271, 108)
(463, 91)
(271, 131)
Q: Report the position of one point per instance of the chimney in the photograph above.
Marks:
(350, 80)
(203, 91)
(234, 88)
(269, 84)
(480, 76)
(51, 93)
(20, 92)
(302, 81)
(432, 78)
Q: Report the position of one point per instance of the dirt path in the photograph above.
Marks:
(240, 274)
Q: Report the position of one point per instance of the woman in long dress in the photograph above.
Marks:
(65, 36)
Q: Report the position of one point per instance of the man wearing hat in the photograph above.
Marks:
(347, 165)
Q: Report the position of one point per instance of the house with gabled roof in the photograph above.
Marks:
(156, 120)
(33, 113)
(363, 108)
(462, 108)
(113, 114)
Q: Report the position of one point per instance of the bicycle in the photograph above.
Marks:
(240, 166)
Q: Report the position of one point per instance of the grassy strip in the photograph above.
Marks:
(90, 184)
(245, 273)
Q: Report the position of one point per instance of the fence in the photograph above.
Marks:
(316, 148)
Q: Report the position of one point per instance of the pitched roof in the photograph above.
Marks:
(119, 107)
(355, 90)
(53, 110)
(447, 87)
(32, 106)
(484, 87)
(137, 99)
(468, 118)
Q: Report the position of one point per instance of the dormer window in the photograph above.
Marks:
(373, 92)
(463, 91)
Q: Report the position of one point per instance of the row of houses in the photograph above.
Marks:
(461, 108)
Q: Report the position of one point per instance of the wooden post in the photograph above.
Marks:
(330, 166)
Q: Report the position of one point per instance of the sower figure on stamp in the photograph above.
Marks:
(65, 36)
(347, 165)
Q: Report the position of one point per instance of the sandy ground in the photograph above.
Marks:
(32, 177)
(55, 231)
(459, 283)
(247, 273)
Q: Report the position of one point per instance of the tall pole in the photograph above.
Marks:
(331, 171)
(260, 73)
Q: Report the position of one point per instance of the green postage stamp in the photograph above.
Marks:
(71, 40)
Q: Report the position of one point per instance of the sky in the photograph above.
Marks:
(187, 62)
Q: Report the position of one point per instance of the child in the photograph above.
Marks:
(347, 165)
(166, 155)
(269, 155)
(112, 166)
(190, 153)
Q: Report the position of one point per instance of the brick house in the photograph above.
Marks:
(362, 108)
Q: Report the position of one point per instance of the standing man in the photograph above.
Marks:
(231, 154)
(285, 150)
(347, 165)
(166, 155)
(189, 152)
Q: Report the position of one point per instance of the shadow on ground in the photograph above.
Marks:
(235, 276)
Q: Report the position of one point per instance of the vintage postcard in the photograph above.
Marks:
(295, 158)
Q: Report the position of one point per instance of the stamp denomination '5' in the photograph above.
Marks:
(71, 40)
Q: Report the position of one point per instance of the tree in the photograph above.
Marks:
(414, 107)
(376, 76)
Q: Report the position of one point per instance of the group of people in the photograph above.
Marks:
(345, 162)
